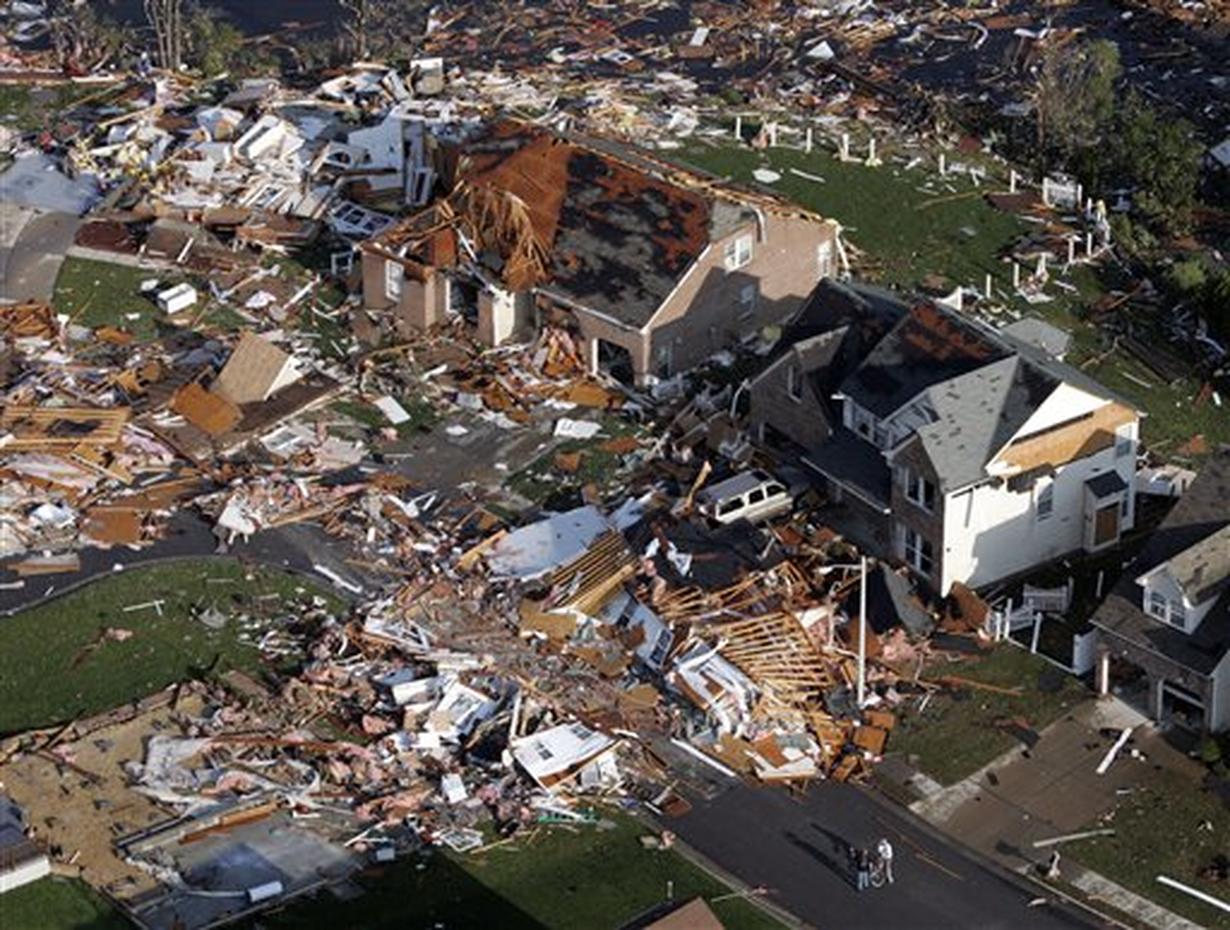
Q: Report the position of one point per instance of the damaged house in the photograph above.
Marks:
(651, 269)
(967, 453)
(1165, 628)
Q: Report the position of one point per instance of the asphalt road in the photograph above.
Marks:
(796, 848)
(298, 546)
(31, 263)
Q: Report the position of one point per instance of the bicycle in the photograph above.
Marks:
(879, 874)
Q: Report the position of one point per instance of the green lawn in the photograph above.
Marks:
(908, 234)
(883, 212)
(58, 904)
(56, 665)
(26, 108)
(564, 880)
(956, 734)
(1173, 418)
(105, 293)
(1158, 832)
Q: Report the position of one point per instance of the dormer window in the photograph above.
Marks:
(737, 252)
(1166, 609)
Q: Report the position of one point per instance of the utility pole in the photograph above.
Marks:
(862, 631)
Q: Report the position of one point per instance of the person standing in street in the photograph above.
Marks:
(863, 863)
(885, 850)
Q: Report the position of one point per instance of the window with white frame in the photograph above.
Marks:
(824, 259)
(393, 276)
(1044, 498)
(864, 423)
(737, 252)
(794, 382)
(1166, 609)
(747, 300)
(918, 490)
(918, 552)
(1125, 445)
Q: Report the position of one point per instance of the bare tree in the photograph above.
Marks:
(83, 40)
(379, 28)
(166, 18)
(1074, 95)
(357, 22)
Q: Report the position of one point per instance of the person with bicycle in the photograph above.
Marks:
(884, 852)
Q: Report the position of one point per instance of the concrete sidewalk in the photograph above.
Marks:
(1052, 790)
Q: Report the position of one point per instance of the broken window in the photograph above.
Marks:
(393, 274)
(1125, 445)
(737, 252)
(794, 382)
(1044, 498)
(918, 552)
(920, 491)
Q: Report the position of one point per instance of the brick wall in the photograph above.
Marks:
(804, 421)
(706, 314)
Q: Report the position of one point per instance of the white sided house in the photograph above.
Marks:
(980, 455)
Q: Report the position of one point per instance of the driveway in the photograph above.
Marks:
(32, 249)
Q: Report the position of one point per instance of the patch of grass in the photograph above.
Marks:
(957, 735)
(541, 480)
(332, 335)
(27, 108)
(910, 233)
(423, 415)
(1158, 832)
(55, 664)
(105, 294)
(561, 880)
(59, 904)
(16, 106)
(1173, 417)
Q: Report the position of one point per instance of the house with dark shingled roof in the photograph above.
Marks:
(1165, 626)
(962, 451)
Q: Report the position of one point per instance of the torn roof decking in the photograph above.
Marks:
(925, 348)
(32, 427)
(619, 230)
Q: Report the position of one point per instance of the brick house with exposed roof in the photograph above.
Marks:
(650, 267)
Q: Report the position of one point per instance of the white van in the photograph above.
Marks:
(751, 495)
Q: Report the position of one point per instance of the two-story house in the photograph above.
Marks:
(1167, 620)
(966, 452)
(650, 267)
